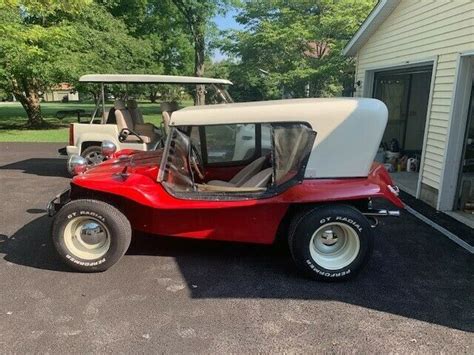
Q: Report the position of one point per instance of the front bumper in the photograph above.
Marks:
(58, 202)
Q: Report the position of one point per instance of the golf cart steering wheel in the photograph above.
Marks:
(125, 132)
(196, 162)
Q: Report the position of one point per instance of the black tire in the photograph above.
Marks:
(115, 222)
(93, 150)
(342, 218)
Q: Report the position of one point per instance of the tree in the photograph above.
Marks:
(51, 41)
(287, 47)
(30, 57)
(159, 22)
(197, 15)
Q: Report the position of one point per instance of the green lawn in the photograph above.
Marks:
(13, 121)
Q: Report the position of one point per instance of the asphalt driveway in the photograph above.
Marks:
(180, 296)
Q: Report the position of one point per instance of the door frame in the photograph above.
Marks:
(369, 87)
(456, 130)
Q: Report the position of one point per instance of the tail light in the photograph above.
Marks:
(71, 134)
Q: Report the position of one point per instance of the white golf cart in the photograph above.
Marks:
(123, 123)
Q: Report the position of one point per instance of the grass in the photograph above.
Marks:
(13, 120)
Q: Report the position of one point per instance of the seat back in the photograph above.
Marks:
(122, 116)
(246, 173)
(167, 108)
(259, 180)
(135, 112)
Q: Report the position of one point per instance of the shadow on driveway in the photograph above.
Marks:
(40, 166)
(414, 272)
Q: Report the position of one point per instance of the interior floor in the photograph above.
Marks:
(406, 181)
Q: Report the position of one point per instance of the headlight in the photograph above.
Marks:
(108, 148)
(76, 165)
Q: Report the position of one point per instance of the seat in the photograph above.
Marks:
(135, 112)
(259, 180)
(142, 128)
(124, 120)
(167, 108)
(257, 183)
(243, 175)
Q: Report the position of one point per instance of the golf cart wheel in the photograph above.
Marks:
(93, 155)
(91, 235)
(331, 242)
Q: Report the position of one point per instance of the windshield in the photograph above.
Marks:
(175, 169)
(214, 94)
(218, 94)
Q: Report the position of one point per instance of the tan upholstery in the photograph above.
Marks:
(167, 108)
(124, 120)
(139, 126)
(256, 183)
(243, 175)
(259, 180)
(122, 116)
(211, 188)
(135, 112)
(220, 183)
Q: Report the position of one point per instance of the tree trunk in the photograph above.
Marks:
(31, 104)
(153, 96)
(95, 96)
(199, 46)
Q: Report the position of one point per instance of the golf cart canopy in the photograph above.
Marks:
(150, 79)
(349, 130)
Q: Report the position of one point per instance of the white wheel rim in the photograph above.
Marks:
(334, 246)
(94, 158)
(86, 238)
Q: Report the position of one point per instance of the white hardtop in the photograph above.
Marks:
(349, 130)
(150, 79)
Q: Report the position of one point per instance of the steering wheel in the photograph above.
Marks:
(196, 162)
(125, 132)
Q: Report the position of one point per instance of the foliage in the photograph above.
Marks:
(196, 14)
(13, 118)
(158, 22)
(286, 45)
(49, 43)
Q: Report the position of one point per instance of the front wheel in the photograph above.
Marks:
(93, 155)
(91, 235)
(331, 242)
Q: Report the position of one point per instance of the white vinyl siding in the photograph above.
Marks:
(418, 30)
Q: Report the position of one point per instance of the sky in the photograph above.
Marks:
(226, 22)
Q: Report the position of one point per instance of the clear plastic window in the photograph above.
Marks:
(227, 143)
(293, 143)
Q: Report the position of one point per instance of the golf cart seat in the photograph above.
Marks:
(124, 120)
(243, 176)
(142, 128)
(167, 108)
(135, 112)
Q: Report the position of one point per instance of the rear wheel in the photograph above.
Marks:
(331, 242)
(91, 235)
(93, 155)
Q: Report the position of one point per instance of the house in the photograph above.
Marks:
(418, 57)
(62, 92)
